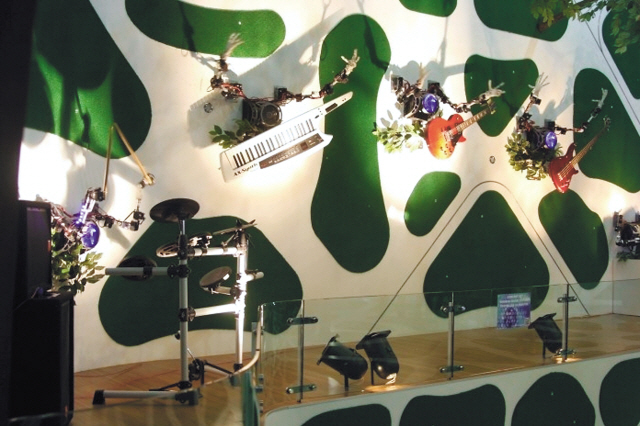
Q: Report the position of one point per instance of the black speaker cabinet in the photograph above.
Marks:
(33, 269)
(42, 359)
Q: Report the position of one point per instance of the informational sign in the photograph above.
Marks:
(514, 310)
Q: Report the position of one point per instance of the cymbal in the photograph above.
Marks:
(238, 227)
(174, 210)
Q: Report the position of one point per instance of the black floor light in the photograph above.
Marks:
(344, 360)
(383, 361)
(549, 332)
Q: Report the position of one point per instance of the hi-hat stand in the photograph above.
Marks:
(176, 210)
(239, 291)
(237, 245)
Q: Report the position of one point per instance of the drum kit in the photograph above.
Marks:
(179, 210)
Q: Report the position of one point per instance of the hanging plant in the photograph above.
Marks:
(227, 138)
(525, 157)
(73, 267)
(398, 136)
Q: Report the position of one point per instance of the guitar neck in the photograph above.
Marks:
(576, 159)
(460, 127)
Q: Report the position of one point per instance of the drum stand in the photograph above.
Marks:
(179, 210)
(174, 210)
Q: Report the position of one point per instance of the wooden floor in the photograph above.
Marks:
(482, 351)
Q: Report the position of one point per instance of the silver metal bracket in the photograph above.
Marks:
(451, 368)
(302, 320)
(299, 389)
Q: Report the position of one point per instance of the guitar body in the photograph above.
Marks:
(442, 137)
(562, 180)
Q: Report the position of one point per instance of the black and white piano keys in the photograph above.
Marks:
(293, 138)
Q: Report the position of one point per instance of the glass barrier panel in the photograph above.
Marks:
(279, 368)
(492, 329)
(612, 322)
(417, 327)
(626, 296)
(351, 345)
(309, 347)
(326, 348)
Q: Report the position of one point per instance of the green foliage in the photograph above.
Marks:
(397, 136)
(72, 266)
(625, 25)
(524, 157)
(228, 139)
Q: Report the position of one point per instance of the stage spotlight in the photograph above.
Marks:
(344, 360)
(549, 333)
(212, 281)
(383, 361)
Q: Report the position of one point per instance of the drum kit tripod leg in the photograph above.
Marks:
(179, 210)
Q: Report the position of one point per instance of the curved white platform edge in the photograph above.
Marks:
(513, 385)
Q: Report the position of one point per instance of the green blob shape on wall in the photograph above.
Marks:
(516, 17)
(80, 83)
(370, 415)
(619, 393)
(136, 312)
(498, 257)
(347, 212)
(516, 75)
(432, 7)
(578, 234)
(616, 154)
(554, 399)
(627, 62)
(483, 406)
(431, 196)
(206, 30)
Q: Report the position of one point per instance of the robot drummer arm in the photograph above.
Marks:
(283, 95)
(594, 113)
(422, 76)
(534, 97)
(342, 76)
(491, 92)
(597, 109)
(523, 122)
(218, 81)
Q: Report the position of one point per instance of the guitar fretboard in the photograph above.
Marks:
(468, 122)
(576, 159)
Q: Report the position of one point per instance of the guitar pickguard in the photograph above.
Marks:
(442, 136)
(560, 172)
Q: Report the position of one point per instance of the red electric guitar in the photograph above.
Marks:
(562, 169)
(443, 135)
